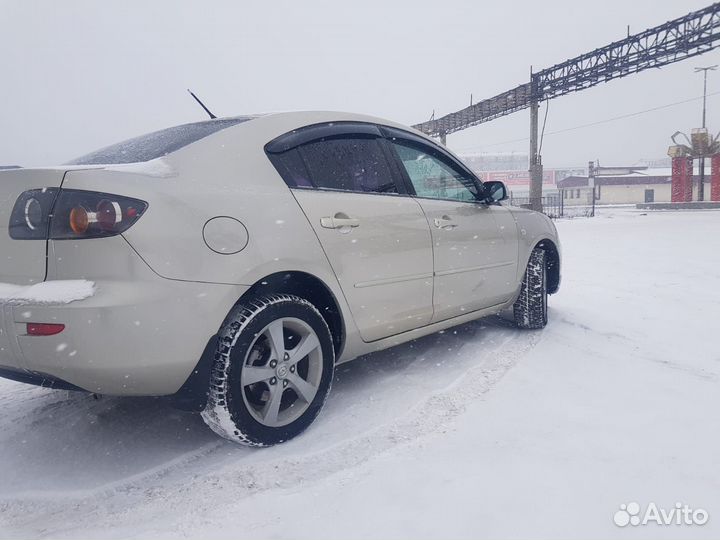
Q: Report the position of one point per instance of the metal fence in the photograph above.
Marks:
(577, 202)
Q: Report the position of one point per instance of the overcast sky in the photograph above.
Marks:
(78, 75)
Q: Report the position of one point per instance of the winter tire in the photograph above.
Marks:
(530, 309)
(272, 371)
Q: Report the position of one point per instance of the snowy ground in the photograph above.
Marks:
(482, 431)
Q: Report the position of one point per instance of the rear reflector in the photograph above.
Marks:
(44, 329)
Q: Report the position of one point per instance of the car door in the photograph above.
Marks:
(475, 244)
(375, 236)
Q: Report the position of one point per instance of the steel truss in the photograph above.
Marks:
(691, 35)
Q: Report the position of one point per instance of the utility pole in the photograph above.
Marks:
(535, 167)
(591, 183)
(701, 182)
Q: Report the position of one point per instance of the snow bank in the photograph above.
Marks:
(158, 168)
(47, 292)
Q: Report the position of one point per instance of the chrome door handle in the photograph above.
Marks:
(444, 223)
(338, 222)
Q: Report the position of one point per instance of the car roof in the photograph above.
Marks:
(310, 117)
(166, 141)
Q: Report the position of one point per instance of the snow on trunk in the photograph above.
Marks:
(47, 292)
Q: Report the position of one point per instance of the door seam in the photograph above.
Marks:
(432, 254)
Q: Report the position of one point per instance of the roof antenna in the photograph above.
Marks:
(202, 104)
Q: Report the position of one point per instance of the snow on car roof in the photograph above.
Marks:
(158, 143)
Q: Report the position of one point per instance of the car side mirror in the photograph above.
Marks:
(494, 191)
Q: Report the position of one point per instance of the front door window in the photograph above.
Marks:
(434, 178)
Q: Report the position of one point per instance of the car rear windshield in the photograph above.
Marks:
(156, 144)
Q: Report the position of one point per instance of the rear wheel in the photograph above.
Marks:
(530, 309)
(272, 371)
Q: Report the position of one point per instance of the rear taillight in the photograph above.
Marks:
(62, 214)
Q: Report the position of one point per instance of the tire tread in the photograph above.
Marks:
(529, 309)
(217, 414)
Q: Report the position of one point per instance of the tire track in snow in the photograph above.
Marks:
(192, 494)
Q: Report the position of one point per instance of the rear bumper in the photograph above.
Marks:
(139, 337)
(37, 379)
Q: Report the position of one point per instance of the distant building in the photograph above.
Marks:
(512, 170)
(638, 186)
(502, 161)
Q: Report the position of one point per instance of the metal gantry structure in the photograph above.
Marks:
(691, 35)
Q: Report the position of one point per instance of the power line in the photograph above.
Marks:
(598, 122)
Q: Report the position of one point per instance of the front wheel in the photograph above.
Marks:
(272, 371)
(530, 309)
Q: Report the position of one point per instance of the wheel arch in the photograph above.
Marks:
(312, 289)
(552, 260)
(193, 394)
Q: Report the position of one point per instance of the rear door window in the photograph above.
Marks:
(292, 168)
(349, 164)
